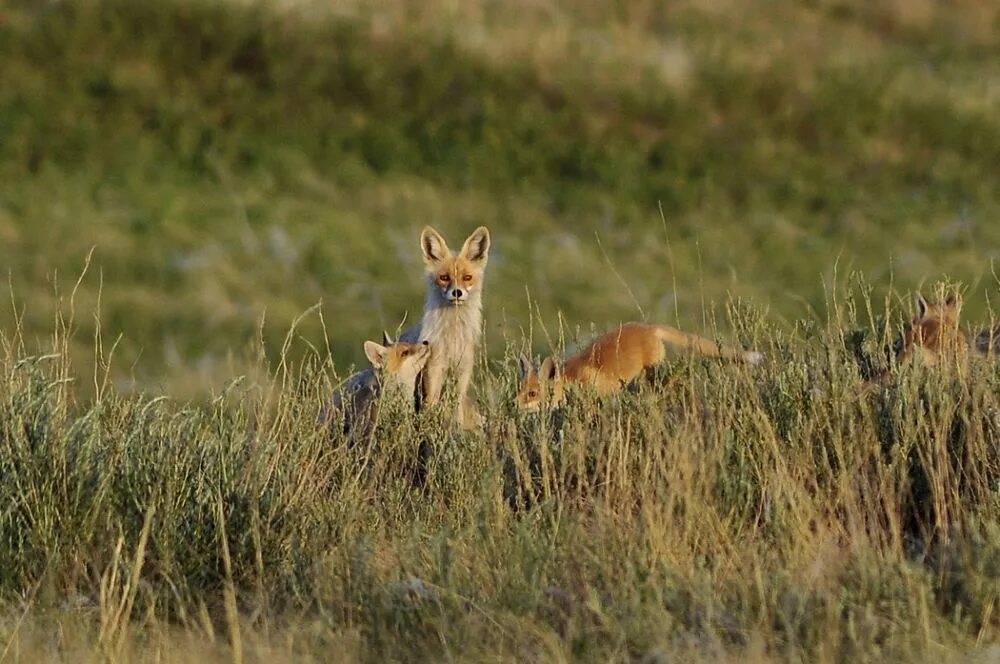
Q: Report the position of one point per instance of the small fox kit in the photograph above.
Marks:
(934, 332)
(393, 375)
(453, 316)
(613, 360)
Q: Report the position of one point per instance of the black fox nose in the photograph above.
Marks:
(426, 343)
(457, 293)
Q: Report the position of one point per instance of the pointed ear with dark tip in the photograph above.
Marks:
(375, 353)
(953, 301)
(921, 306)
(477, 246)
(548, 370)
(386, 339)
(434, 247)
(527, 368)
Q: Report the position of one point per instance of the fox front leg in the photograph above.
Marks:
(432, 384)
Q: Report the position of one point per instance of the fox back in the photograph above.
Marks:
(614, 360)
(616, 357)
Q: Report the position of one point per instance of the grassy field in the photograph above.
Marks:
(235, 163)
(727, 166)
(725, 513)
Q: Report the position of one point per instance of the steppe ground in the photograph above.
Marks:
(206, 207)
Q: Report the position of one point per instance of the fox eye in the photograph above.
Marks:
(532, 394)
(405, 353)
(445, 278)
(467, 278)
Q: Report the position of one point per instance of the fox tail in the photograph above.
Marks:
(695, 344)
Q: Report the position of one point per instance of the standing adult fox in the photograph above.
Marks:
(613, 360)
(453, 317)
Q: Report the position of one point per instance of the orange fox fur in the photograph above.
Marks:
(613, 360)
(934, 333)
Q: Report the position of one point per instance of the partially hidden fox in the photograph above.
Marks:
(613, 360)
(935, 332)
(393, 374)
(453, 318)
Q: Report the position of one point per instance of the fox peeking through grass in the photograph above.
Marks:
(452, 318)
(613, 360)
(934, 334)
(395, 367)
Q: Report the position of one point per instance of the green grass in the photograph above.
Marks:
(235, 164)
(727, 513)
(727, 166)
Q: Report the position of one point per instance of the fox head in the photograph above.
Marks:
(934, 330)
(398, 363)
(455, 280)
(538, 387)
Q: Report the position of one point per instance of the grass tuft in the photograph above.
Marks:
(717, 511)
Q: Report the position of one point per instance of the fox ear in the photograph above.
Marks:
(549, 370)
(921, 306)
(954, 301)
(477, 246)
(434, 246)
(386, 339)
(527, 368)
(375, 353)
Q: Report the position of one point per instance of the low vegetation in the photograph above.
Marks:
(720, 513)
(245, 184)
(236, 163)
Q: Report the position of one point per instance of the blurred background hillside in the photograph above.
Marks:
(235, 163)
